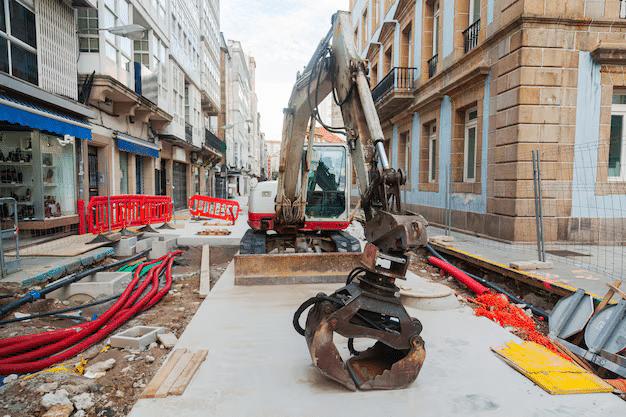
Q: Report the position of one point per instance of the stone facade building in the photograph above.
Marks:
(466, 89)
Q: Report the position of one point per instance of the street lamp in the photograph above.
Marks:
(230, 126)
(133, 32)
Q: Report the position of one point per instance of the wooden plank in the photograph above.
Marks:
(183, 380)
(205, 273)
(617, 290)
(607, 297)
(180, 366)
(165, 370)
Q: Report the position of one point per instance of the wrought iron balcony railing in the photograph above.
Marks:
(213, 142)
(398, 79)
(432, 65)
(188, 133)
(470, 36)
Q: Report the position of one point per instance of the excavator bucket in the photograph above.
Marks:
(393, 362)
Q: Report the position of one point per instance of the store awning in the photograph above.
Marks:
(33, 116)
(135, 145)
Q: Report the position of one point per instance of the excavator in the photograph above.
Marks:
(307, 208)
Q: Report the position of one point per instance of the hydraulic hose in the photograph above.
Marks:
(23, 364)
(494, 287)
(34, 295)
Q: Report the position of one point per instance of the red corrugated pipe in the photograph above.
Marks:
(459, 275)
(125, 308)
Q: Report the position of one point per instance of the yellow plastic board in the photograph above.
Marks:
(548, 370)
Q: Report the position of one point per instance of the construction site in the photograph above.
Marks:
(417, 261)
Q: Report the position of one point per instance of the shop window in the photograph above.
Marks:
(38, 171)
(617, 148)
(469, 158)
(432, 153)
(18, 41)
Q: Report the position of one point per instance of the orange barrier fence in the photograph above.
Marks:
(215, 208)
(127, 210)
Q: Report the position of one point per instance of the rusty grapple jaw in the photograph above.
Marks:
(393, 362)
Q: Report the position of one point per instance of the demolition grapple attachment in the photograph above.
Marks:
(366, 307)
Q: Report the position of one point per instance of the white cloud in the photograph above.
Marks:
(281, 36)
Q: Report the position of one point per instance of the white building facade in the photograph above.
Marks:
(155, 94)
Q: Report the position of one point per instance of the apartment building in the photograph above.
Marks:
(150, 71)
(466, 89)
(239, 119)
(42, 122)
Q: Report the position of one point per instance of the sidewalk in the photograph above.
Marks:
(571, 273)
(257, 365)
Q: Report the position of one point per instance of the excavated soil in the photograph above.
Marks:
(115, 393)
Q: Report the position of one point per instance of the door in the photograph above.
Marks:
(180, 185)
(92, 167)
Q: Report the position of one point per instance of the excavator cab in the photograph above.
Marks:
(327, 196)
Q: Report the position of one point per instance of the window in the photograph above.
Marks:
(404, 156)
(406, 51)
(474, 11)
(469, 164)
(364, 30)
(88, 39)
(142, 52)
(432, 153)
(436, 17)
(616, 141)
(18, 41)
(118, 49)
(622, 9)
(375, 9)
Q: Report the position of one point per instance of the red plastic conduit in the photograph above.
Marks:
(12, 345)
(459, 275)
(24, 363)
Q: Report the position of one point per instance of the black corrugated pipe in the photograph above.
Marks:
(35, 295)
(486, 283)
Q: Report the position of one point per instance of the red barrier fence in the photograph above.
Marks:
(215, 208)
(127, 210)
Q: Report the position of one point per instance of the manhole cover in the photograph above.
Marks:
(566, 253)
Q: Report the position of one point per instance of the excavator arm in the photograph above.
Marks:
(368, 305)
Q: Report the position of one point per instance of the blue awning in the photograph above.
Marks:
(37, 117)
(131, 144)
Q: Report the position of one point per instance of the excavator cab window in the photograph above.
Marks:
(326, 191)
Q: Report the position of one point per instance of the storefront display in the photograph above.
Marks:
(37, 170)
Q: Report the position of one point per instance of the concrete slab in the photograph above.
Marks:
(258, 365)
(38, 270)
(126, 246)
(95, 285)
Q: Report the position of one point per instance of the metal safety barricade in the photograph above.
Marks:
(120, 211)
(215, 208)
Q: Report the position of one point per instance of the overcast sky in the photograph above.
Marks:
(281, 35)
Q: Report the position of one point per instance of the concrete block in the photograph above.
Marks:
(523, 265)
(146, 243)
(125, 247)
(104, 284)
(72, 267)
(162, 247)
(168, 340)
(137, 337)
(544, 265)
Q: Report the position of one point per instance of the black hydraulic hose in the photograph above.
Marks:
(64, 310)
(486, 283)
(34, 295)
